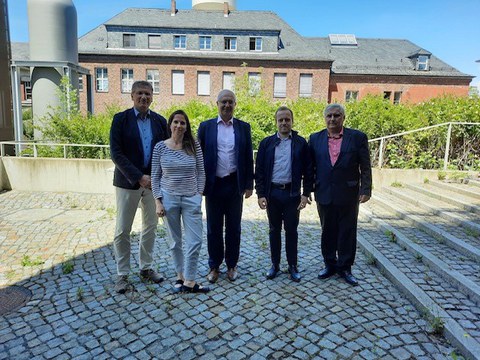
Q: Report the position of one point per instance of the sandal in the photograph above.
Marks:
(178, 286)
(195, 289)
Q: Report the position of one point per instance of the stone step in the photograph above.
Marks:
(473, 182)
(432, 225)
(457, 187)
(449, 197)
(437, 207)
(439, 301)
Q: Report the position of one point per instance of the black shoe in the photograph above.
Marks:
(348, 277)
(273, 272)
(196, 289)
(326, 273)
(294, 274)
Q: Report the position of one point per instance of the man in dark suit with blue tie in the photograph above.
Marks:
(343, 180)
(133, 135)
(228, 157)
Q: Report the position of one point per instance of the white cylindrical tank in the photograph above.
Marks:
(52, 27)
(213, 4)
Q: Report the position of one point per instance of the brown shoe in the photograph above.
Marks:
(122, 284)
(212, 276)
(151, 275)
(232, 274)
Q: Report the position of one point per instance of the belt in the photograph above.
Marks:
(281, 186)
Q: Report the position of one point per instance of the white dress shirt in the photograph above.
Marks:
(226, 163)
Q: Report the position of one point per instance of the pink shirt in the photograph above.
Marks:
(334, 145)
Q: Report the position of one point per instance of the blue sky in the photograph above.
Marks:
(448, 28)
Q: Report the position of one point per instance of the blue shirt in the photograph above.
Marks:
(282, 164)
(145, 129)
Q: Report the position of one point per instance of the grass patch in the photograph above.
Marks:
(68, 266)
(396, 184)
(28, 261)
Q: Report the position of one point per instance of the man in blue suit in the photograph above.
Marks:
(133, 135)
(227, 151)
(343, 179)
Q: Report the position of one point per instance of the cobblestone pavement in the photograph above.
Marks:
(78, 315)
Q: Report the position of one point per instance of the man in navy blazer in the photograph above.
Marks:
(282, 165)
(343, 179)
(133, 135)
(228, 157)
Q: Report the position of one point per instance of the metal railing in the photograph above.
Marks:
(447, 147)
(21, 146)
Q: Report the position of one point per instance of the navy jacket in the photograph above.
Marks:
(351, 175)
(301, 166)
(207, 135)
(126, 148)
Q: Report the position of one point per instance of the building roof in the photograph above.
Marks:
(380, 57)
(295, 47)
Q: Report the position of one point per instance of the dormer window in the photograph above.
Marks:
(422, 63)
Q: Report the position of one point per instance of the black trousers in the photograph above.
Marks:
(282, 208)
(339, 234)
(224, 207)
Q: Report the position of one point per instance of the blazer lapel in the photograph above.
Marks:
(324, 147)
(236, 132)
(345, 144)
(132, 121)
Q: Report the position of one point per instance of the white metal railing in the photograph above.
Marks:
(20, 146)
(447, 147)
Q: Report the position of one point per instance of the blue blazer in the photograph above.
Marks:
(207, 135)
(301, 166)
(126, 148)
(351, 175)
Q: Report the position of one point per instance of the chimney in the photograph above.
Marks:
(225, 9)
(173, 8)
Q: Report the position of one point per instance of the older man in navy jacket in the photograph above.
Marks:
(282, 164)
(228, 157)
(343, 179)
(133, 135)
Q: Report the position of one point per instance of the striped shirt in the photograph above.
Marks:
(177, 173)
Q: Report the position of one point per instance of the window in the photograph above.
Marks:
(154, 41)
(228, 80)
(279, 85)
(27, 90)
(101, 79)
(128, 40)
(205, 43)
(422, 62)
(80, 83)
(231, 43)
(256, 43)
(178, 82)
(180, 41)
(153, 77)
(397, 96)
(305, 85)
(351, 95)
(387, 95)
(203, 83)
(254, 82)
(127, 80)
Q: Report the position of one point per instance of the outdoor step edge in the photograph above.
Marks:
(447, 186)
(454, 277)
(453, 331)
(448, 199)
(458, 244)
(445, 214)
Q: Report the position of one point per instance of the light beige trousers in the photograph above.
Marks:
(127, 203)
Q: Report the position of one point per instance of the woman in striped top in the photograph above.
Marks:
(178, 180)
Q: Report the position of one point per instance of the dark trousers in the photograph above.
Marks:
(339, 234)
(282, 208)
(224, 206)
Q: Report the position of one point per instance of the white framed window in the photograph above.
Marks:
(180, 41)
(231, 43)
(27, 90)
(153, 77)
(254, 83)
(422, 63)
(255, 44)
(397, 97)
(203, 82)
(127, 80)
(154, 42)
(351, 95)
(306, 85)
(128, 40)
(101, 79)
(178, 82)
(205, 42)
(279, 85)
(228, 80)
(80, 82)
